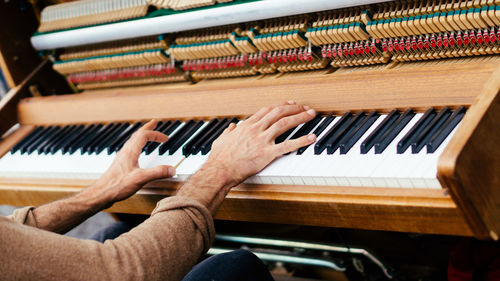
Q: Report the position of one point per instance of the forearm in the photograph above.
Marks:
(208, 186)
(164, 247)
(63, 215)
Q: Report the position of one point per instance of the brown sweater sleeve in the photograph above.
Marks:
(164, 247)
(24, 216)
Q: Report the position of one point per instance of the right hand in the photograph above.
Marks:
(243, 150)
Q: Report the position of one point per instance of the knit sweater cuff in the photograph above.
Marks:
(24, 216)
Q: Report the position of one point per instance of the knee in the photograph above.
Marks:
(244, 257)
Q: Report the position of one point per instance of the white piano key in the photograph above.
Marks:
(274, 171)
(307, 169)
(176, 158)
(427, 171)
(361, 165)
(390, 160)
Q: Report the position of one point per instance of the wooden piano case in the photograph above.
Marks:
(469, 169)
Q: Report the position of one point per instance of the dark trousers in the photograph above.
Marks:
(239, 265)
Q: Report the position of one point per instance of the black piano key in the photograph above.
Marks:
(124, 138)
(370, 141)
(159, 127)
(41, 148)
(171, 127)
(183, 139)
(393, 131)
(197, 146)
(207, 146)
(72, 134)
(47, 139)
(340, 134)
(338, 131)
(35, 139)
(324, 124)
(92, 137)
(57, 138)
(188, 148)
(43, 139)
(167, 131)
(111, 138)
(27, 139)
(71, 144)
(178, 134)
(321, 144)
(430, 129)
(85, 138)
(357, 132)
(103, 134)
(281, 138)
(307, 127)
(406, 141)
(439, 136)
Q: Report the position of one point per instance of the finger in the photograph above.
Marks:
(278, 113)
(292, 145)
(156, 173)
(151, 125)
(265, 110)
(286, 123)
(140, 138)
(229, 129)
(259, 114)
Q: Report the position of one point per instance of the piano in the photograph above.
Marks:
(406, 94)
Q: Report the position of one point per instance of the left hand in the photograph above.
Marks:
(124, 177)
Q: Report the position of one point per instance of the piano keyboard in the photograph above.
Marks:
(398, 149)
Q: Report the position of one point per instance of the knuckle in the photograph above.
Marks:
(270, 107)
(139, 133)
(254, 127)
(279, 110)
(282, 123)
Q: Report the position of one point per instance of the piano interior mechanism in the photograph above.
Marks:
(406, 94)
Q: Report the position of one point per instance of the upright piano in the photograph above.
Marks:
(406, 94)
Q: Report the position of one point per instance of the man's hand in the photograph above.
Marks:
(124, 177)
(246, 149)
(242, 151)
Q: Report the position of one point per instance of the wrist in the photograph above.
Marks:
(222, 173)
(208, 186)
(96, 197)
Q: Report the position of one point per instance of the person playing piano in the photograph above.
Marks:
(169, 243)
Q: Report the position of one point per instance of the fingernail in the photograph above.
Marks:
(171, 171)
(291, 102)
(311, 112)
(311, 137)
(306, 107)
